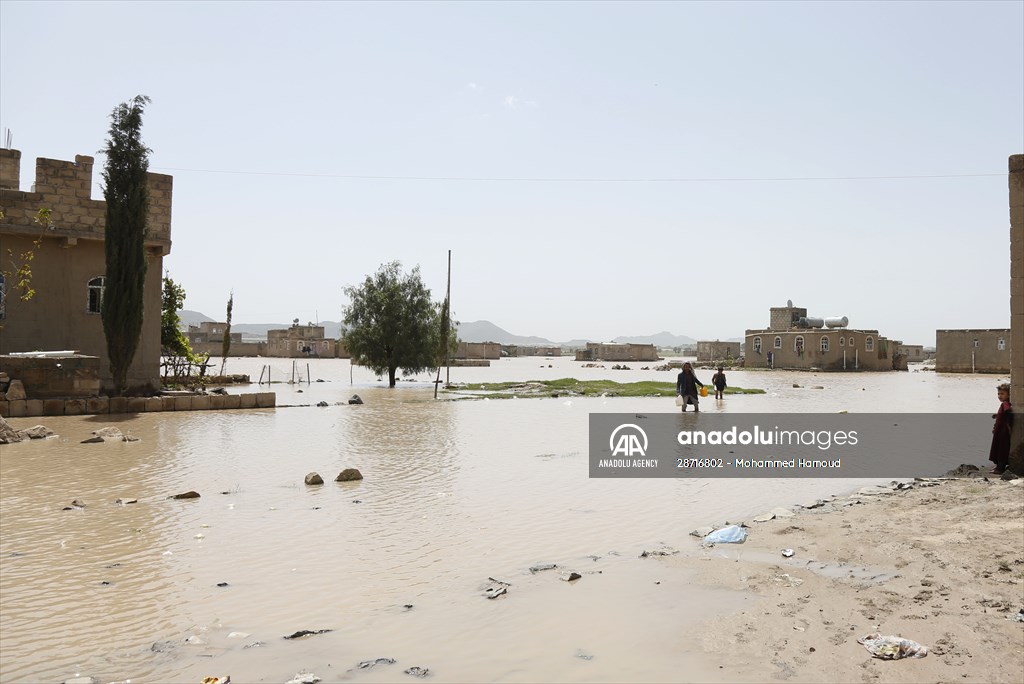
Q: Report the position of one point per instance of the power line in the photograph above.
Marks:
(499, 179)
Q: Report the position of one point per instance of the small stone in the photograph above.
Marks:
(541, 567)
(185, 495)
(355, 399)
(304, 678)
(306, 632)
(314, 479)
(572, 577)
(348, 475)
(322, 404)
(222, 584)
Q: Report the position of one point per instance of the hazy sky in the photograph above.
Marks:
(597, 169)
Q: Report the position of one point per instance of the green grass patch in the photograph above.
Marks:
(571, 387)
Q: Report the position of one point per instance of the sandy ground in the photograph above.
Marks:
(941, 564)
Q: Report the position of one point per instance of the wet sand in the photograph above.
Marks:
(941, 565)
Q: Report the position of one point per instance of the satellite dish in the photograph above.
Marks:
(789, 303)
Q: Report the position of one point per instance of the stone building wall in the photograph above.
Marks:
(70, 255)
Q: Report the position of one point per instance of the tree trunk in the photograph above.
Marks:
(391, 376)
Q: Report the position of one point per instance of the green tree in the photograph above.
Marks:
(172, 341)
(391, 323)
(225, 346)
(127, 195)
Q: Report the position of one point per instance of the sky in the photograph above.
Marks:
(596, 169)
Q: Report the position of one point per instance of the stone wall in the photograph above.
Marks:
(711, 351)
(73, 376)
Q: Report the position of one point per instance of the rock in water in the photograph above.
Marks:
(314, 479)
(348, 475)
(185, 495)
(356, 399)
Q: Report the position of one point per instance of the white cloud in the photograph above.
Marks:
(513, 102)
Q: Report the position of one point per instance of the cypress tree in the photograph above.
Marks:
(127, 195)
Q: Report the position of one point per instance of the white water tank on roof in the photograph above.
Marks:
(837, 322)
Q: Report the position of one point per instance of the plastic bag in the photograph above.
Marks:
(892, 647)
(680, 401)
(733, 534)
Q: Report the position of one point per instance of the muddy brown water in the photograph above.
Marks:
(454, 492)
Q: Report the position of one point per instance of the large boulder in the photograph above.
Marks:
(16, 391)
(8, 435)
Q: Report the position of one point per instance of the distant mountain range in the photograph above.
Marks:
(472, 331)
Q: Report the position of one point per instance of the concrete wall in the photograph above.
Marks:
(23, 408)
(972, 351)
(523, 350)
(72, 253)
(711, 351)
(1016, 194)
(848, 349)
(478, 350)
(237, 348)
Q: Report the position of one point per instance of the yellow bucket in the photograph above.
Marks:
(703, 391)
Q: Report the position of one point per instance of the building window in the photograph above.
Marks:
(824, 343)
(757, 345)
(1001, 343)
(869, 344)
(798, 344)
(852, 342)
(778, 342)
(96, 287)
(974, 343)
(842, 341)
(3, 296)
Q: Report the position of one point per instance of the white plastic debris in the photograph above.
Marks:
(787, 553)
(892, 647)
(733, 534)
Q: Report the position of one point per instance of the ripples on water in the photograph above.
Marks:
(455, 492)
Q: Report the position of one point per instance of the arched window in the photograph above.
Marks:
(842, 341)
(869, 343)
(96, 287)
(824, 343)
(798, 344)
(757, 345)
(1001, 343)
(778, 342)
(3, 296)
(853, 342)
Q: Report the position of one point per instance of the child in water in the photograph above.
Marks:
(999, 453)
(718, 380)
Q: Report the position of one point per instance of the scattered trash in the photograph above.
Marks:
(702, 532)
(307, 632)
(787, 580)
(787, 553)
(238, 635)
(496, 589)
(892, 647)
(125, 502)
(667, 551)
(217, 680)
(321, 404)
(304, 678)
(541, 567)
(1016, 617)
(734, 534)
(417, 671)
(367, 664)
(583, 655)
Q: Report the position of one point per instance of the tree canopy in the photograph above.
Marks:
(391, 323)
(127, 194)
(172, 340)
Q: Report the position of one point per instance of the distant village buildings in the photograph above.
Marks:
(300, 341)
(973, 351)
(798, 342)
(527, 350)
(715, 351)
(613, 351)
(69, 266)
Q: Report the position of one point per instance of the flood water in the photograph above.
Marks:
(454, 492)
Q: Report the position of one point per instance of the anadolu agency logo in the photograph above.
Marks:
(628, 440)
